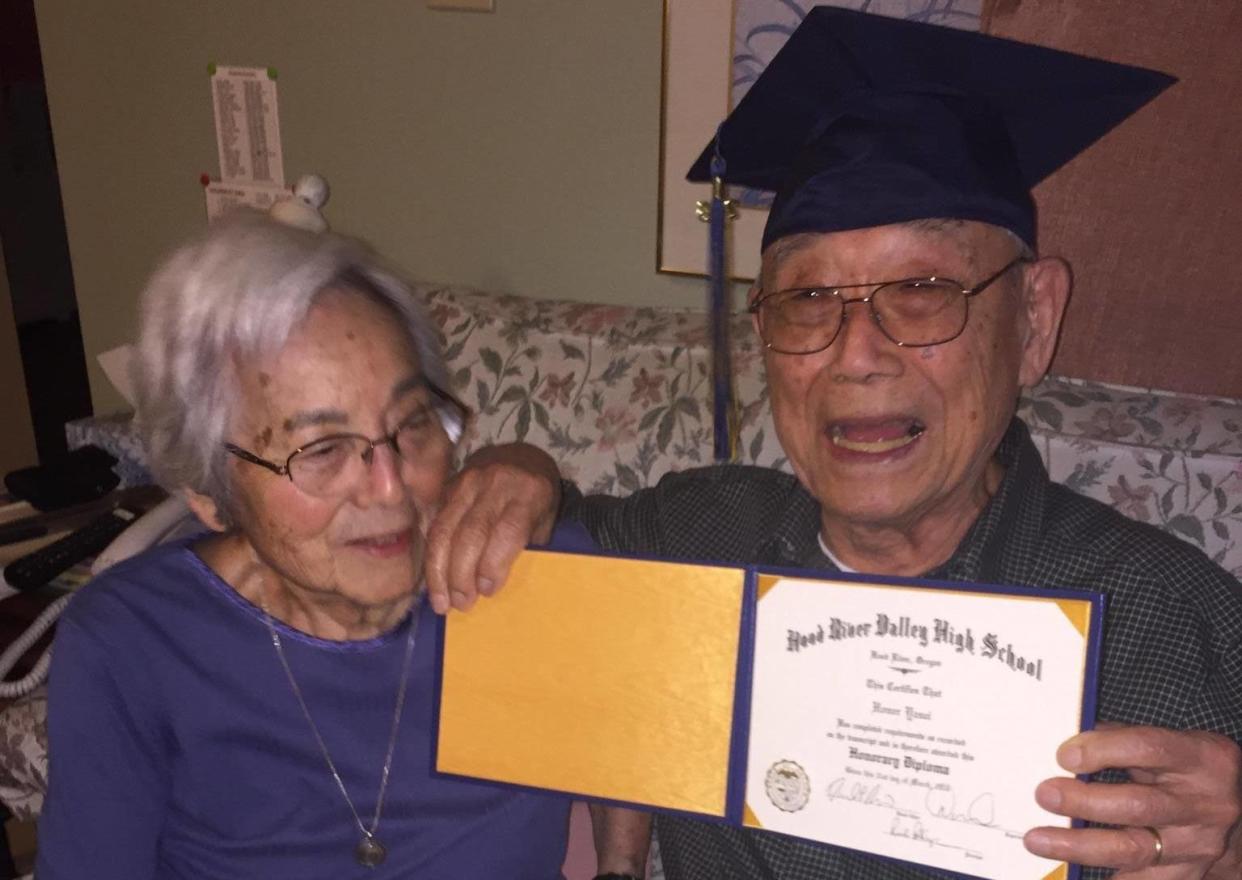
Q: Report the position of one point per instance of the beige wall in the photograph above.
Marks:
(516, 152)
(1148, 217)
(17, 444)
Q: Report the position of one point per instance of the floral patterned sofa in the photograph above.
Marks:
(620, 395)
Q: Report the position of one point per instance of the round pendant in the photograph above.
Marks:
(369, 852)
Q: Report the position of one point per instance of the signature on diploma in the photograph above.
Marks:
(981, 810)
(943, 804)
(912, 828)
(868, 794)
(938, 804)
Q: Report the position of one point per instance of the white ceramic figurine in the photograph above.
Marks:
(303, 208)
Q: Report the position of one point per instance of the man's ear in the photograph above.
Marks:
(1045, 294)
(206, 510)
(751, 296)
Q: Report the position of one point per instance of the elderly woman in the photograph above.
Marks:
(257, 702)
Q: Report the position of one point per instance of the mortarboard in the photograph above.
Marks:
(862, 120)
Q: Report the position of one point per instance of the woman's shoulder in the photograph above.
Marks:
(149, 585)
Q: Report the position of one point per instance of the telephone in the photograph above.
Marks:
(167, 521)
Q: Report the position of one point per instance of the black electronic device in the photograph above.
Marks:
(79, 476)
(43, 565)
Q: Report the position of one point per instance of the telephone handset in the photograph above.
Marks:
(167, 521)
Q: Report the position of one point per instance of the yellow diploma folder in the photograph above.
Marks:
(610, 678)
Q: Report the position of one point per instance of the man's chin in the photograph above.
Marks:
(866, 506)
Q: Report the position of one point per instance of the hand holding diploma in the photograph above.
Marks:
(1177, 817)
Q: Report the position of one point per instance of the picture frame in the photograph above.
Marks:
(695, 98)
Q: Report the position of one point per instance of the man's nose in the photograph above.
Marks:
(862, 349)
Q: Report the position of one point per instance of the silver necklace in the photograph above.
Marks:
(369, 852)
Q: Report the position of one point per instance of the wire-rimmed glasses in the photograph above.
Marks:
(911, 312)
(332, 465)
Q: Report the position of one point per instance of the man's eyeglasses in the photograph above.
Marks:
(333, 465)
(913, 312)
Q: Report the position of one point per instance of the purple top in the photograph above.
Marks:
(178, 750)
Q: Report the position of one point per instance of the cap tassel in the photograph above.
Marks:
(716, 214)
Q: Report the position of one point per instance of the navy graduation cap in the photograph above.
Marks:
(862, 120)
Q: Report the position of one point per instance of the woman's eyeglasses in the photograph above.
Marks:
(333, 465)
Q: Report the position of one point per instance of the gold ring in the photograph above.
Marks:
(1156, 839)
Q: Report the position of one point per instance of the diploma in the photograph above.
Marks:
(913, 723)
(906, 719)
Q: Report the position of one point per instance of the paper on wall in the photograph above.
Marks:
(247, 125)
(222, 197)
(115, 364)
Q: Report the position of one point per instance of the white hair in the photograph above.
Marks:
(238, 291)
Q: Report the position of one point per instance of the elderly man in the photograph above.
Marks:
(902, 308)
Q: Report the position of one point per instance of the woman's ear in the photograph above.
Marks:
(206, 509)
(1045, 294)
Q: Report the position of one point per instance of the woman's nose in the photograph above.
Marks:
(383, 477)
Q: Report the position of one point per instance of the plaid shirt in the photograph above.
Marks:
(1172, 626)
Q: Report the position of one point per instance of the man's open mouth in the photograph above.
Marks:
(875, 437)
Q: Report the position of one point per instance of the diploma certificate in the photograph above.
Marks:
(912, 723)
(906, 719)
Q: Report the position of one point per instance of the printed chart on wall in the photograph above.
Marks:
(247, 140)
(713, 52)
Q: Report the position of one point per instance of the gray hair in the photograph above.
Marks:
(947, 224)
(238, 291)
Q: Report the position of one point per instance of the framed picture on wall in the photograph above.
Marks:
(713, 51)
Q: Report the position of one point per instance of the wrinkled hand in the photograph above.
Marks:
(504, 498)
(1185, 784)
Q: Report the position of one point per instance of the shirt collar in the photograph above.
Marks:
(794, 538)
